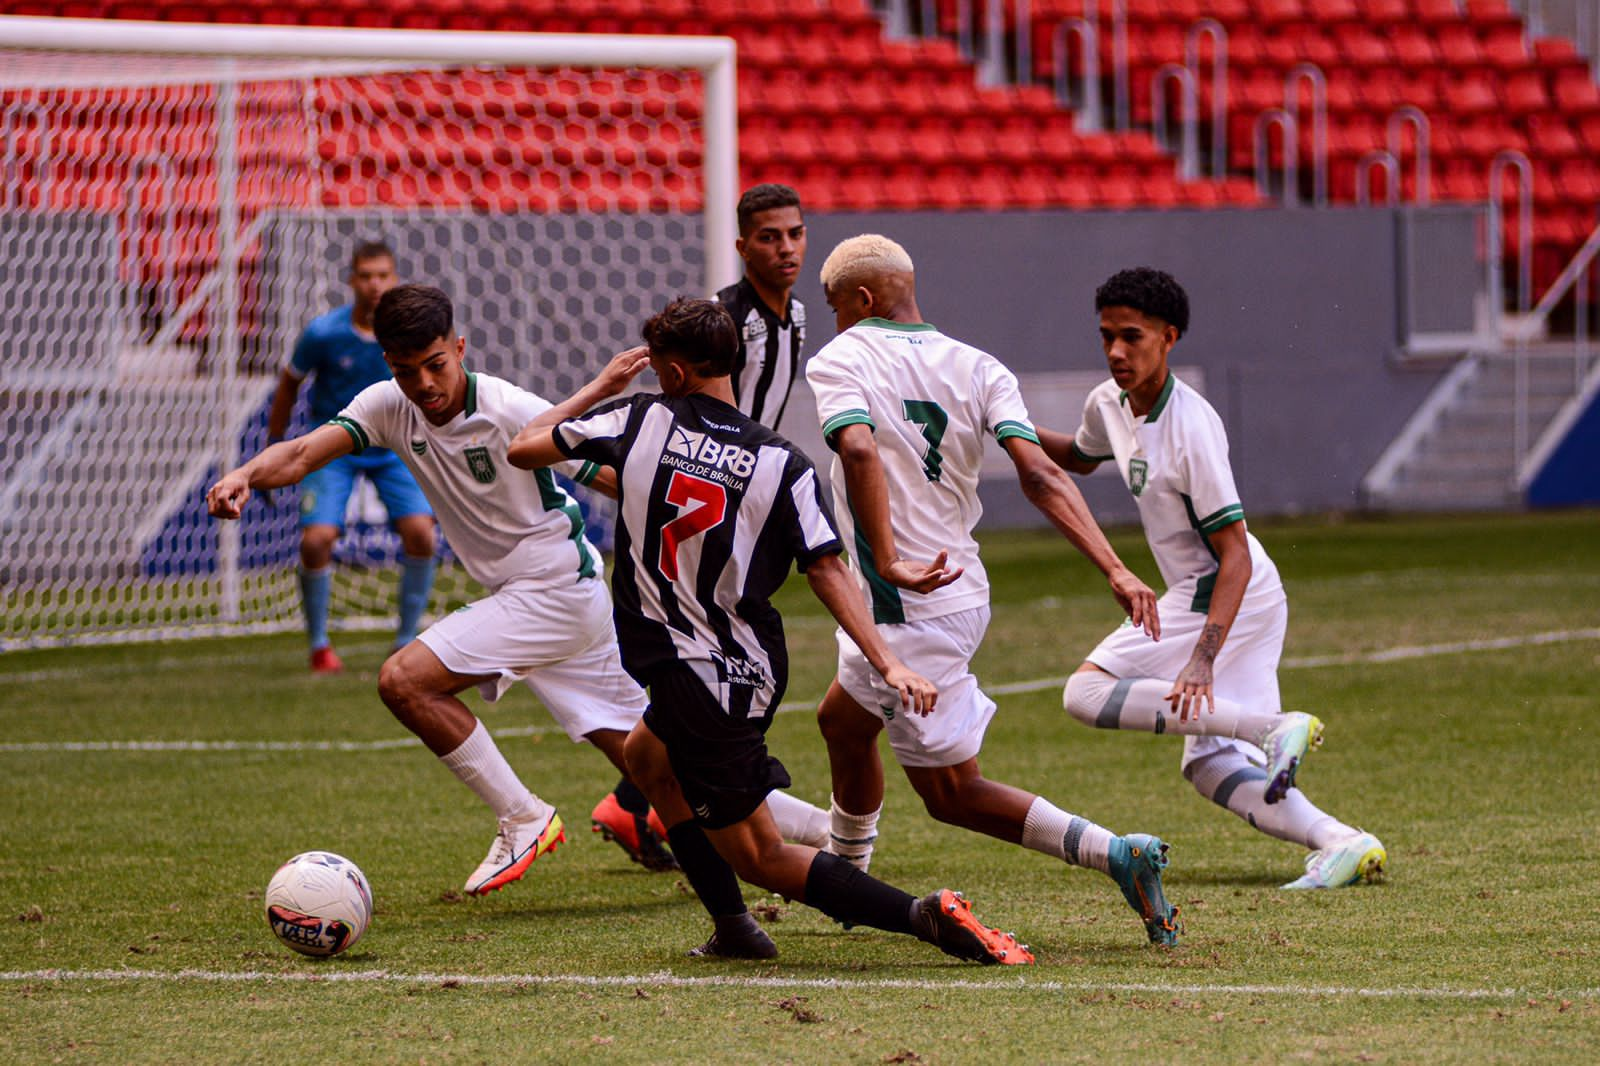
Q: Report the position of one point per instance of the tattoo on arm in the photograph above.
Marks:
(1210, 642)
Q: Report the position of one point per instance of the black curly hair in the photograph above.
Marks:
(1148, 291)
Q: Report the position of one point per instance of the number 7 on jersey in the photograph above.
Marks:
(702, 505)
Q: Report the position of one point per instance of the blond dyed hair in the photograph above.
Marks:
(861, 260)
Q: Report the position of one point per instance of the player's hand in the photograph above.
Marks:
(623, 368)
(1136, 599)
(227, 497)
(1191, 692)
(904, 574)
(917, 693)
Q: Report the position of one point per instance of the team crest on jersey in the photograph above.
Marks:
(419, 447)
(480, 464)
(1138, 474)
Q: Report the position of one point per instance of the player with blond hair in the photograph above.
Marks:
(907, 410)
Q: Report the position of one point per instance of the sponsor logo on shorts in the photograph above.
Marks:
(1138, 475)
(480, 464)
(702, 811)
(888, 712)
(419, 447)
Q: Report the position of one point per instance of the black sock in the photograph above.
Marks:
(710, 875)
(845, 894)
(630, 799)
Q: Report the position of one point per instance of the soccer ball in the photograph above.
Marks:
(319, 903)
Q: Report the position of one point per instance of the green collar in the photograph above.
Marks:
(904, 327)
(1161, 401)
(472, 395)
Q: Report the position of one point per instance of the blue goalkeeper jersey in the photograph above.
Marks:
(341, 362)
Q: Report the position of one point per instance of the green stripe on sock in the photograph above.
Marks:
(1111, 713)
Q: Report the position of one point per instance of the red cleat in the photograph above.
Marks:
(632, 834)
(325, 661)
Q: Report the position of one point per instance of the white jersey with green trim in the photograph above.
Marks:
(504, 524)
(1175, 462)
(930, 400)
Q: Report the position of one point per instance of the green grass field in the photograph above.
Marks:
(138, 873)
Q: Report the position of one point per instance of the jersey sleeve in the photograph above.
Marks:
(1004, 413)
(812, 531)
(840, 399)
(523, 407)
(306, 356)
(1090, 443)
(601, 437)
(369, 418)
(1207, 477)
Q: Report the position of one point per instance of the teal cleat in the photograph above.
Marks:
(1357, 858)
(1136, 864)
(1286, 746)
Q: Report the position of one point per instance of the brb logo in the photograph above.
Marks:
(709, 452)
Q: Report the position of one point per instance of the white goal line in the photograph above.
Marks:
(1377, 657)
(671, 980)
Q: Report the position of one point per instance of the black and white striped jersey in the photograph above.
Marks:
(714, 508)
(770, 349)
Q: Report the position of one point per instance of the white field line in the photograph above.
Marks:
(668, 980)
(1380, 656)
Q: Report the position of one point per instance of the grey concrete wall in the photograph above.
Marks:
(1293, 324)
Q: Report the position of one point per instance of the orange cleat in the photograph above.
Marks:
(325, 661)
(633, 834)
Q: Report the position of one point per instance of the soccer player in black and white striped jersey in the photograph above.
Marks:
(771, 322)
(715, 508)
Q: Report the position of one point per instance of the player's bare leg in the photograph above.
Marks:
(421, 692)
(316, 589)
(857, 773)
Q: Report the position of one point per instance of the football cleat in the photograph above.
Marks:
(751, 944)
(1136, 862)
(515, 847)
(1286, 746)
(632, 834)
(1356, 858)
(325, 660)
(945, 920)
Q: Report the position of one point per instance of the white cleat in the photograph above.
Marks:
(515, 847)
(1356, 858)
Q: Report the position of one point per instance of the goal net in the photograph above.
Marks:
(178, 202)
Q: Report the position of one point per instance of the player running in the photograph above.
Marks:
(1214, 679)
(715, 508)
(547, 618)
(342, 357)
(906, 409)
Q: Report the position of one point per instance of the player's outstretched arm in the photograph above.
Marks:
(1192, 690)
(1054, 494)
(868, 492)
(533, 448)
(284, 463)
(1058, 446)
(830, 580)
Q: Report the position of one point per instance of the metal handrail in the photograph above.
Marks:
(1121, 105)
(1312, 75)
(964, 31)
(1087, 30)
(1024, 42)
(1378, 157)
(1422, 138)
(992, 67)
(1288, 132)
(1209, 27)
(1189, 142)
(1504, 162)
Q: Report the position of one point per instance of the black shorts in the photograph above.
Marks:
(720, 760)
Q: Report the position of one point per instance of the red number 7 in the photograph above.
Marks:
(710, 504)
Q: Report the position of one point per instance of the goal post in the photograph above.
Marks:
(180, 200)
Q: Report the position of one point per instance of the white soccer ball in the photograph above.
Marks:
(319, 903)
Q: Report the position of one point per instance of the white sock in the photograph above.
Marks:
(799, 822)
(1098, 699)
(1230, 780)
(1076, 840)
(481, 767)
(852, 836)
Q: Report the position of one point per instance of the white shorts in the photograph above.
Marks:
(1246, 670)
(941, 650)
(557, 640)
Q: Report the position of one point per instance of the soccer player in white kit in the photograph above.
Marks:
(547, 618)
(907, 409)
(1213, 678)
